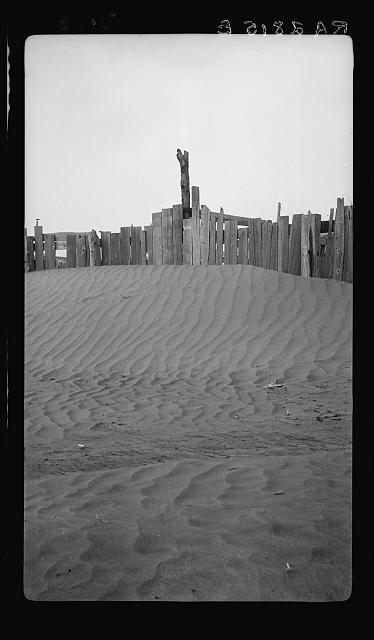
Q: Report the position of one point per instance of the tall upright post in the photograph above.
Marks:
(185, 181)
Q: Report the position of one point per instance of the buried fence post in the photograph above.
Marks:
(294, 255)
(219, 252)
(81, 250)
(50, 251)
(183, 160)
(339, 240)
(39, 259)
(195, 225)
(94, 246)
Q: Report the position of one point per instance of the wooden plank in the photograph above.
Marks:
(71, 250)
(177, 234)
(115, 249)
(266, 226)
(124, 245)
(329, 252)
(212, 240)
(81, 250)
(142, 247)
(39, 257)
(305, 245)
(339, 240)
(25, 259)
(187, 241)
(314, 239)
(157, 238)
(135, 241)
(167, 236)
(219, 251)
(106, 248)
(243, 245)
(30, 253)
(274, 247)
(251, 242)
(94, 253)
(283, 243)
(227, 242)
(204, 235)
(348, 244)
(149, 243)
(50, 251)
(234, 242)
(257, 241)
(195, 225)
(294, 253)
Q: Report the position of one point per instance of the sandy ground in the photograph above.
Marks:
(196, 480)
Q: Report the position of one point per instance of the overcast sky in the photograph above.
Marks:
(264, 118)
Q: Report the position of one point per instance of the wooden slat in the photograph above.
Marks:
(177, 234)
(157, 238)
(251, 242)
(124, 245)
(106, 248)
(114, 249)
(187, 241)
(142, 247)
(81, 250)
(50, 251)
(135, 240)
(329, 252)
(212, 240)
(204, 235)
(339, 240)
(294, 253)
(257, 241)
(195, 225)
(219, 251)
(227, 242)
(315, 234)
(305, 245)
(274, 247)
(243, 245)
(39, 258)
(348, 244)
(25, 259)
(71, 250)
(266, 242)
(94, 253)
(149, 243)
(167, 236)
(283, 243)
(234, 242)
(30, 253)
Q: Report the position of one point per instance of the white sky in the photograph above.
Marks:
(264, 118)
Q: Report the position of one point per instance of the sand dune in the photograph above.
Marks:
(162, 374)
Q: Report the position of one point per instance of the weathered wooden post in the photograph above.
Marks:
(94, 246)
(185, 182)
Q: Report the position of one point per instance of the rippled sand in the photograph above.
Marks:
(162, 374)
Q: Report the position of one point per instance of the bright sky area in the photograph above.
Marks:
(265, 119)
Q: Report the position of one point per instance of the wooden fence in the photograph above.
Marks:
(305, 246)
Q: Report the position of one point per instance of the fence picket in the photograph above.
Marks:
(283, 222)
(50, 251)
(177, 234)
(115, 249)
(157, 238)
(81, 250)
(219, 252)
(167, 236)
(124, 245)
(204, 235)
(243, 245)
(106, 248)
(339, 240)
(195, 225)
(39, 257)
(187, 241)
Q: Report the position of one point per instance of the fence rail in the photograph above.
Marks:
(303, 246)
